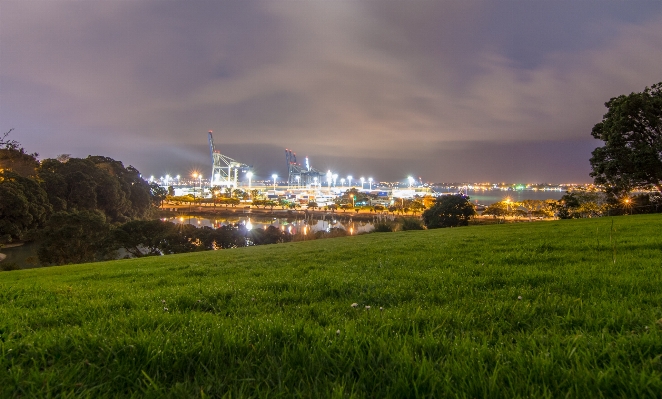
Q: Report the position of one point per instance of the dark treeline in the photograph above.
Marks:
(88, 237)
(68, 200)
(88, 209)
(32, 192)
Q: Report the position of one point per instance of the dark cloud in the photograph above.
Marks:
(445, 90)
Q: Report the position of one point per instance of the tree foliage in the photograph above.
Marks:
(24, 206)
(270, 235)
(631, 130)
(155, 237)
(582, 204)
(449, 211)
(18, 161)
(97, 183)
(75, 237)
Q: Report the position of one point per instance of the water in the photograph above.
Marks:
(25, 256)
(487, 197)
(293, 224)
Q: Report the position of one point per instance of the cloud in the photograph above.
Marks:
(381, 85)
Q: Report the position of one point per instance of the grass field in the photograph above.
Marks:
(549, 309)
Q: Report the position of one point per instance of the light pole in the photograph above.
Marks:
(298, 181)
(335, 176)
(370, 181)
(342, 182)
(195, 176)
(274, 176)
(349, 184)
(329, 176)
(362, 182)
(411, 180)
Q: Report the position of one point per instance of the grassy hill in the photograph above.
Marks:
(528, 310)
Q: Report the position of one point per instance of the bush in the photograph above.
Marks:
(449, 211)
(8, 266)
(382, 227)
(332, 233)
(411, 224)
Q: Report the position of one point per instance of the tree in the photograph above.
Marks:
(449, 211)
(158, 193)
(96, 182)
(237, 192)
(497, 209)
(155, 237)
(411, 224)
(14, 158)
(416, 206)
(18, 161)
(531, 206)
(270, 235)
(75, 237)
(24, 206)
(632, 132)
(7, 143)
(581, 204)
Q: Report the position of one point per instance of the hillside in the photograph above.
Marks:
(527, 310)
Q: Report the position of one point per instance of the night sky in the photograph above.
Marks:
(446, 90)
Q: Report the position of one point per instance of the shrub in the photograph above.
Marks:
(411, 224)
(382, 227)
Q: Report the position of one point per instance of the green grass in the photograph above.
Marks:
(276, 321)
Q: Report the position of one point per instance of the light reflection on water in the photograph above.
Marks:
(292, 225)
(25, 256)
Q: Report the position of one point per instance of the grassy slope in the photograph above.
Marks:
(263, 321)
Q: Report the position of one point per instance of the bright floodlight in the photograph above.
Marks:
(249, 174)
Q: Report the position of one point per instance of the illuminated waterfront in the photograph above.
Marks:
(292, 225)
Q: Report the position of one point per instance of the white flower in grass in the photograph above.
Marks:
(162, 300)
(519, 298)
(337, 332)
(381, 309)
(355, 305)
(367, 307)
(165, 309)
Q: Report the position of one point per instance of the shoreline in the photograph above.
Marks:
(282, 213)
